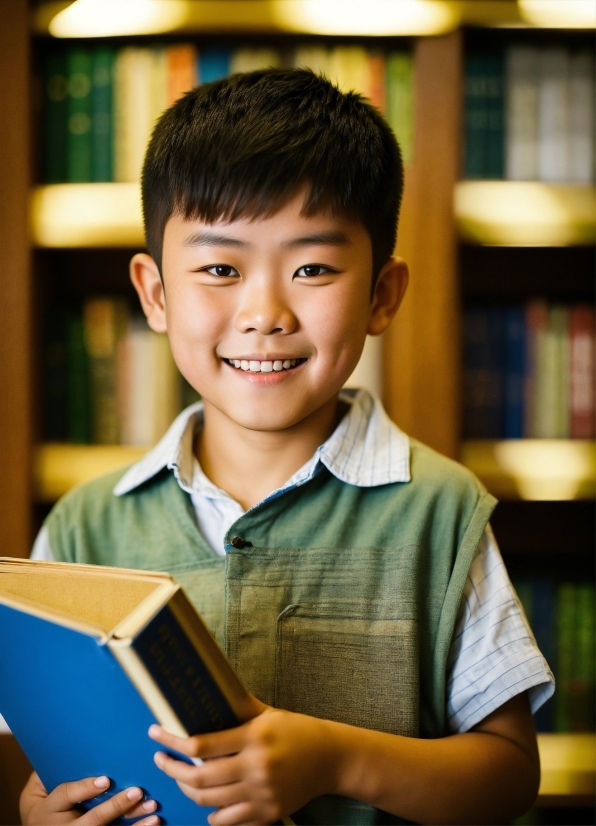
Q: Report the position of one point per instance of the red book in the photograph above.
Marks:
(376, 70)
(182, 70)
(581, 372)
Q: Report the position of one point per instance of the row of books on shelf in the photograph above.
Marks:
(109, 379)
(100, 104)
(529, 371)
(562, 619)
(530, 114)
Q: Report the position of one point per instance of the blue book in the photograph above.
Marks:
(483, 373)
(214, 64)
(544, 626)
(515, 371)
(90, 657)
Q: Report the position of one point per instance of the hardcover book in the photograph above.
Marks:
(90, 657)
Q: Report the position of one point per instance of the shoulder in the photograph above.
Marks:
(439, 473)
(91, 496)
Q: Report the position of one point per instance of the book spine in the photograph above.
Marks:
(536, 319)
(213, 64)
(553, 115)
(251, 59)
(582, 688)
(377, 77)
(79, 146)
(476, 117)
(544, 614)
(581, 116)
(78, 392)
(581, 372)
(55, 375)
(495, 133)
(102, 73)
(566, 624)
(515, 368)
(521, 128)
(483, 373)
(399, 101)
(181, 71)
(104, 326)
(55, 117)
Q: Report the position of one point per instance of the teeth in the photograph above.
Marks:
(264, 366)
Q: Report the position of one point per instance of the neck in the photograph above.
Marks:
(250, 464)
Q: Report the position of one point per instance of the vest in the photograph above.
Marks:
(334, 600)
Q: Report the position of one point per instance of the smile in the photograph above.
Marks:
(276, 366)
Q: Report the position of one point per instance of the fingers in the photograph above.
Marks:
(127, 803)
(67, 795)
(218, 744)
(220, 772)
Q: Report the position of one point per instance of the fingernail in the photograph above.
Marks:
(160, 759)
(101, 782)
(134, 794)
(154, 731)
(149, 805)
(151, 821)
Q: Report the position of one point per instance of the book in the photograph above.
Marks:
(566, 625)
(581, 372)
(79, 424)
(483, 373)
(55, 89)
(349, 69)
(102, 88)
(247, 59)
(181, 70)
(544, 597)
(476, 117)
(521, 113)
(495, 130)
(213, 64)
(551, 410)
(581, 117)
(93, 657)
(553, 115)
(399, 100)
(377, 80)
(582, 683)
(55, 380)
(514, 330)
(79, 140)
(536, 319)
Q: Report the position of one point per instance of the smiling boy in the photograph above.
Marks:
(348, 571)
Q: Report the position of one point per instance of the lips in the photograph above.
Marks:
(265, 365)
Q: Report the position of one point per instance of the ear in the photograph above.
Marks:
(389, 291)
(146, 279)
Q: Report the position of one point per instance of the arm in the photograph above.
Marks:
(60, 806)
(274, 764)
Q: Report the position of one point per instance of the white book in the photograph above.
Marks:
(133, 111)
(349, 69)
(250, 60)
(553, 115)
(521, 113)
(581, 164)
(316, 58)
(158, 87)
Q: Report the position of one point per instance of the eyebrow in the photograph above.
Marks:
(333, 238)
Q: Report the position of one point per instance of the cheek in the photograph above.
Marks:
(194, 328)
(339, 323)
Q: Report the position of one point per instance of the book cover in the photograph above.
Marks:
(79, 140)
(55, 89)
(94, 657)
(213, 64)
(102, 84)
(553, 115)
(581, 372)
(581, 117)
(399, 100)
(521, 113)
(495, 105)
(476, 117)
(515, 370)
(105, 324)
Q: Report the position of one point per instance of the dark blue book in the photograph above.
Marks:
(214, 64)
(515, 371)
(495, 116)
(483, 373)
(544, 626)
(90, 657)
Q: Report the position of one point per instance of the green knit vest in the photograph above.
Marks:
(343, 604)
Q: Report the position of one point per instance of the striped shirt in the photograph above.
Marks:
(493, 654)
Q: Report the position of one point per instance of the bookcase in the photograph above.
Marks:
(459, 254)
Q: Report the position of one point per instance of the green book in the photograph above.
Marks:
(55, 375)
(79, 143)
(102, 134)
(400, 101)
(476, 117)
(55, 93)
(582, 710)
(495, 106)
(566, 624)
(78, 392)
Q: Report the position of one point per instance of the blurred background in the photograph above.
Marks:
(491, 358)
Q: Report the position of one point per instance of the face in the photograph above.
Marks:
(266, 318)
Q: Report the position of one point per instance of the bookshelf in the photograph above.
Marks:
(463, 239)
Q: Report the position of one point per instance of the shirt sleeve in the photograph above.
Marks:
(42, 550)
(493, 655)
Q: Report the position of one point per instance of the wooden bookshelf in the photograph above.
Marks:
(568, 764)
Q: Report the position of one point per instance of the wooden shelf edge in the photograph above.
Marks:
(533, 469)
(568, 764)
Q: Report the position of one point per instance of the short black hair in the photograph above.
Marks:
(244, 145)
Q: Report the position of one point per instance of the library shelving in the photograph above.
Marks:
(466, 241)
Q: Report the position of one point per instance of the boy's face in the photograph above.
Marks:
(266, 318)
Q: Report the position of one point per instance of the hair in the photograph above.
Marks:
(245, 145)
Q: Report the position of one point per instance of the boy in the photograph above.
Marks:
(327, 552)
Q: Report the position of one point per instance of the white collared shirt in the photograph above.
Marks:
(493, 655)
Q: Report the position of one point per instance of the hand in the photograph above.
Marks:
(265, 769)
(60, 806)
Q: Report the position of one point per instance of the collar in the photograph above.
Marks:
(366, 449)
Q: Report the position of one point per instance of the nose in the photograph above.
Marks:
(265, 310)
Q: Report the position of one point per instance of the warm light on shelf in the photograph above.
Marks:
(374, 17)
(87, 215)
(525, 213)
(568, 764)
(559, 14)
(534, 469)
(106, 18)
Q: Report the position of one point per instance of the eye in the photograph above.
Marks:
(312, 270)
(222, 271)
